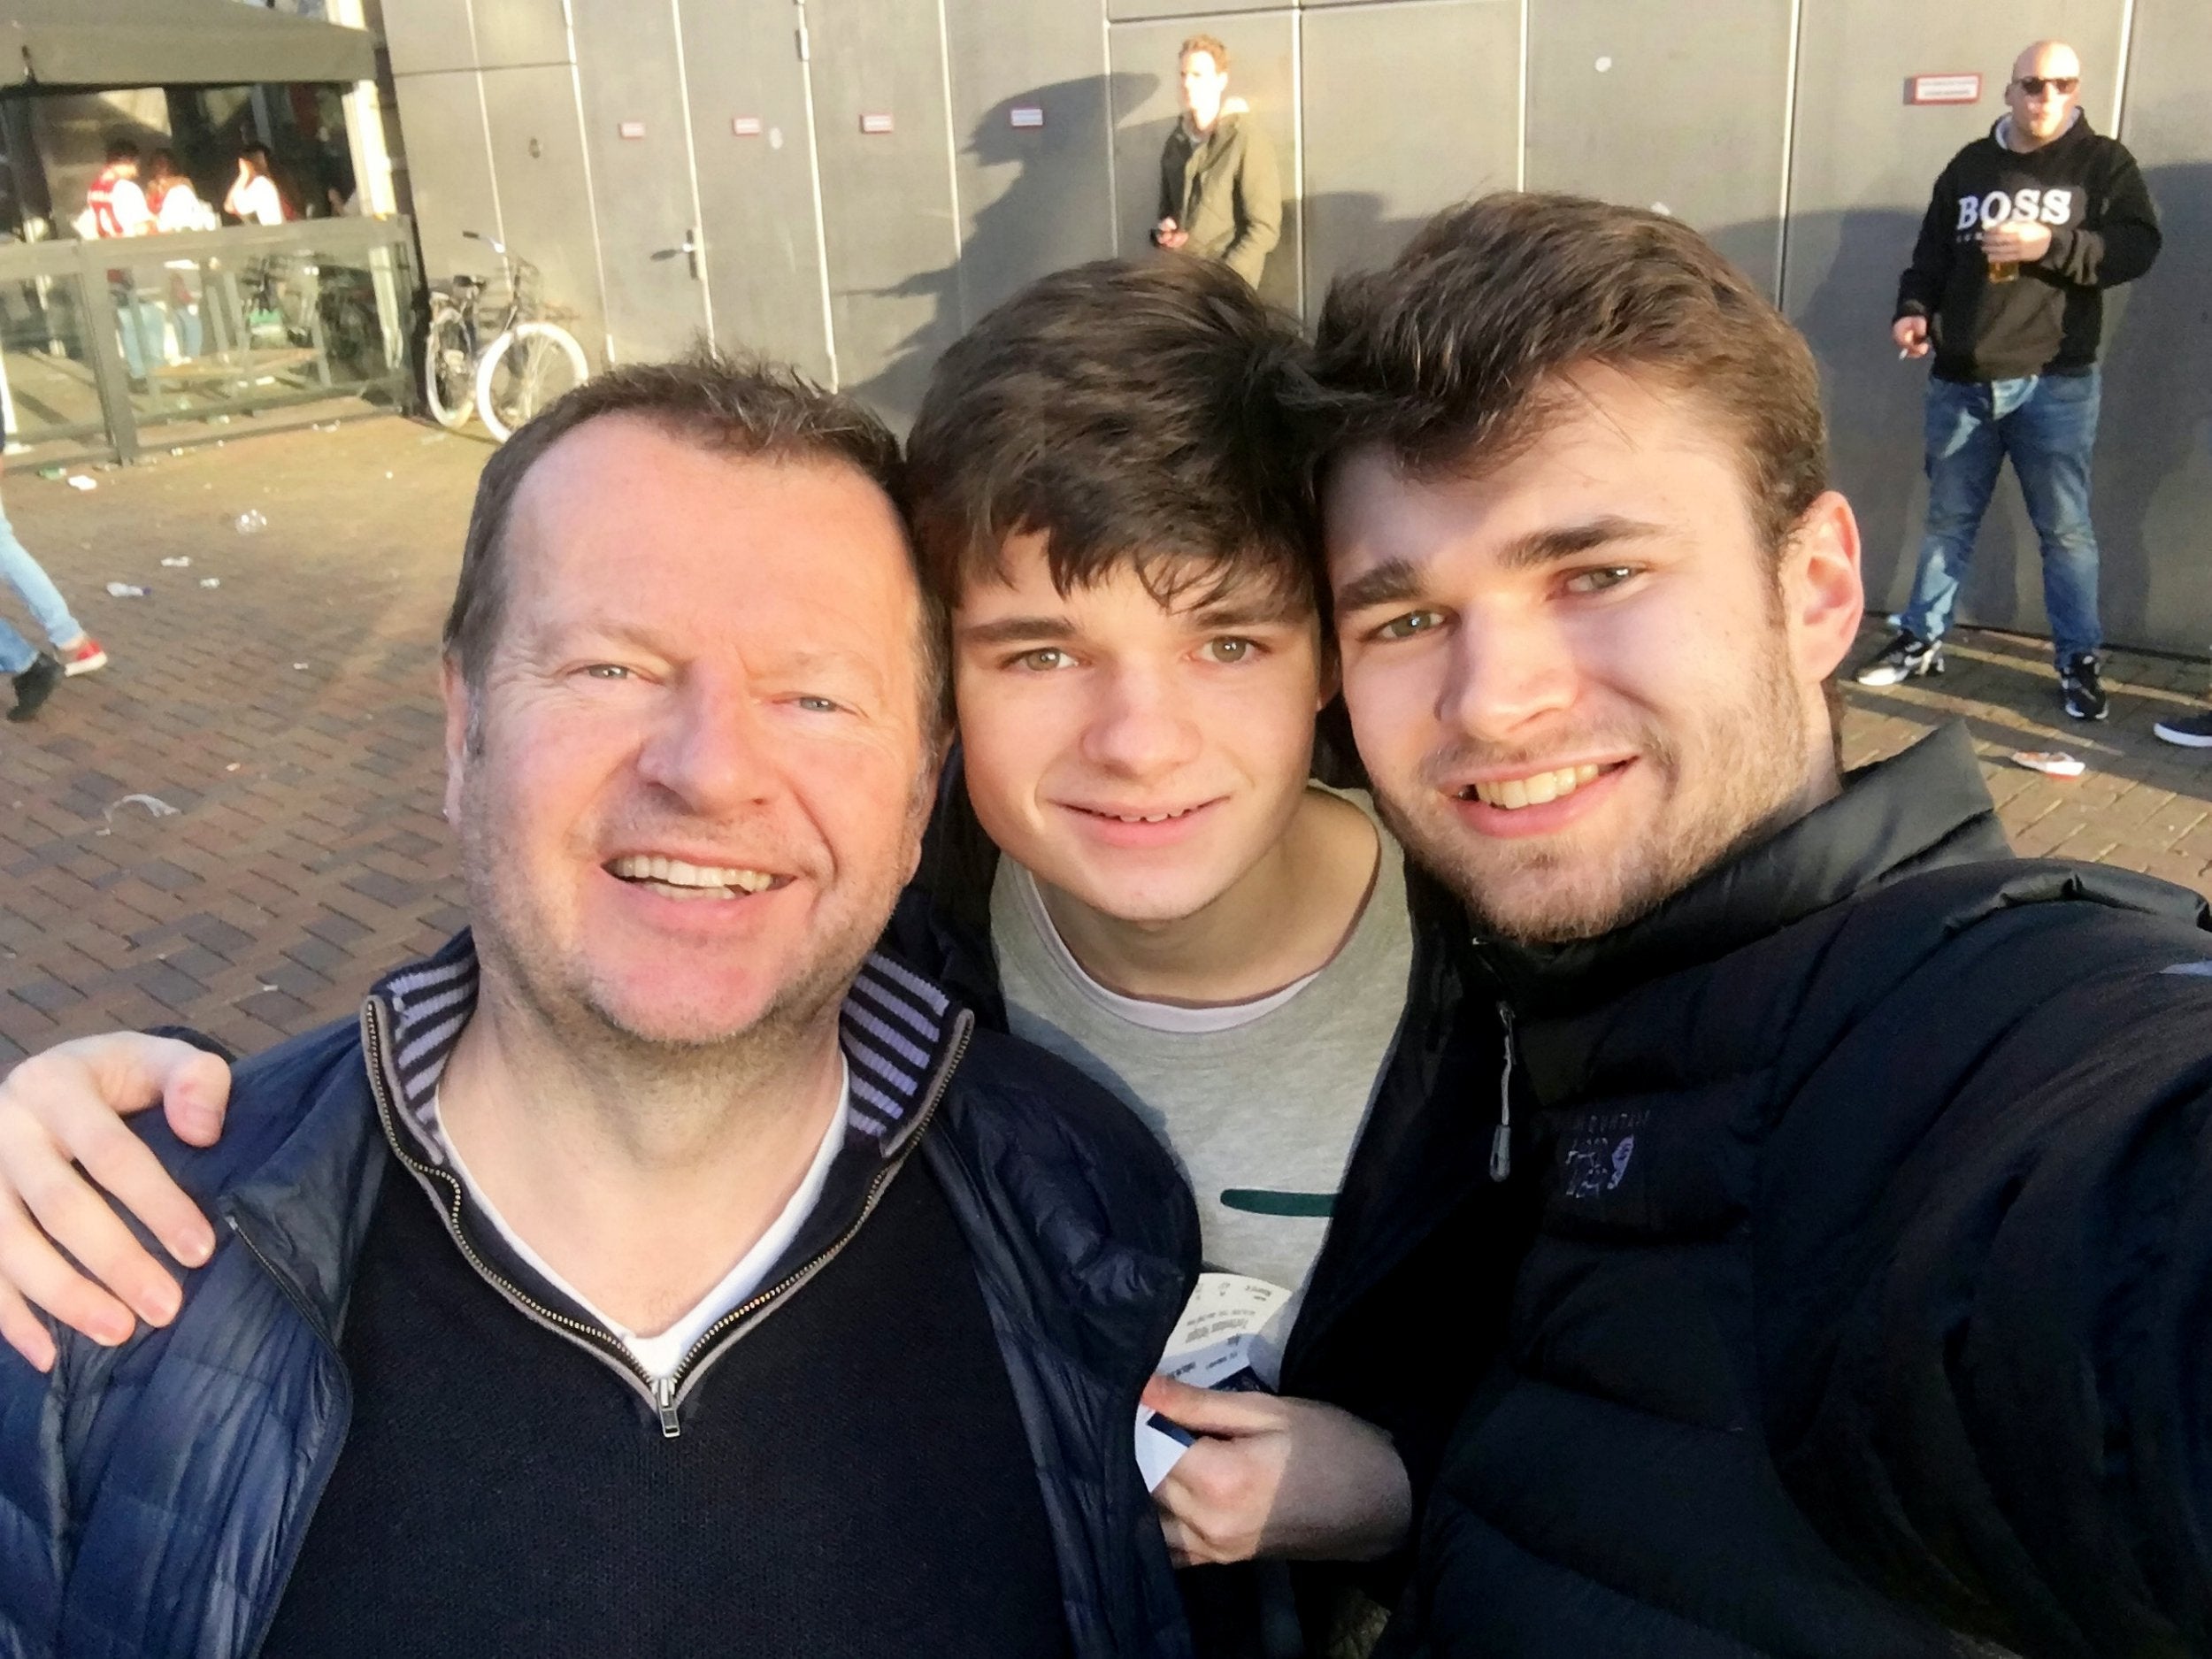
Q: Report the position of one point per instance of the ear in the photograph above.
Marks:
(454, 691)
(1823, 595)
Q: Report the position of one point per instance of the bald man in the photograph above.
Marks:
(2028, 228)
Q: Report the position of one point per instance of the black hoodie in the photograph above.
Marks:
(2104, 231)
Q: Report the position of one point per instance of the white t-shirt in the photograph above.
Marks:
(1260, 1103)
(659, 1355)
(181, 209)
(257, 202)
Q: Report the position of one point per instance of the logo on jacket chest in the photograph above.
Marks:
(1986, 212)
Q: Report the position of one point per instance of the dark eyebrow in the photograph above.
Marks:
(1249, 612)
(1389, 582)
(1395, 580)
(1549, 547)
(1016, 631)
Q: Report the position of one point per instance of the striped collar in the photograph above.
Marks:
(900, 1035)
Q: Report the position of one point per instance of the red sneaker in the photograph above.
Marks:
(82, 657)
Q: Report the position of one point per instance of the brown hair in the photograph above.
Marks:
(1207, 45)
(747, 407)
(1133, 412)
(1449, 359)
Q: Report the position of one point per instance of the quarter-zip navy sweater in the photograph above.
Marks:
(505, 1491)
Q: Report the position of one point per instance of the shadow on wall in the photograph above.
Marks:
(1036, 223)
(1033, 226)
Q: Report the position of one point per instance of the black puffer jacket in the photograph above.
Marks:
(1873, 1301)
(1417, 1206)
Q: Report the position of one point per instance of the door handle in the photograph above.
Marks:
(690, 250)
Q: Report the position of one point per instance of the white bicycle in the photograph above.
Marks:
(530, 361)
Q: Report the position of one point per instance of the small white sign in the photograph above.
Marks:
(1944, 89)
(880, 122)
(1025, 115)
(746, 125)
(632, 129)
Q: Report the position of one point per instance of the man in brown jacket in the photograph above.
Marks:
(1219, 195)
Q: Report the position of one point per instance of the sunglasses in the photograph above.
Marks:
(2063, 85)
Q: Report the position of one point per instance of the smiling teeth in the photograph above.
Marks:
(1149, 817)
(676, 873)
(1512, 794)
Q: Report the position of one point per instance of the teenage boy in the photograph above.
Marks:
(1106, 500)
(1868, 1314)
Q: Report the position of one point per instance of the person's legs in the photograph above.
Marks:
(2049, 437)
(24, 573)
(1964, 456)
(16, 652)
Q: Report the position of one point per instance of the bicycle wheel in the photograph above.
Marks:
(446, 368)
(524, 370)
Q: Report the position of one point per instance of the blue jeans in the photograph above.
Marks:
(2047, 424)
(21, 572)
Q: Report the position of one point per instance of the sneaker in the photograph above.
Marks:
(82, 657)
(2195, 732)
(2078, 682)
(32, 687)
(1907, 656)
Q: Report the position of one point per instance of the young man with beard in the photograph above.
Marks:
(1867, 1311)
(1108, 501)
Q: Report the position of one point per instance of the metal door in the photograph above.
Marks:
(538, 162)
(881, 132)
(630, 76)
(1864, 162)
(1681, 109)
(1372, 178)
(752, 143)
(1263, 71)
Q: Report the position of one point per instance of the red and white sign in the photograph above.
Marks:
(880, 122)
(632, 129)
(1025, 115)
(745, 125)
(1944, 89)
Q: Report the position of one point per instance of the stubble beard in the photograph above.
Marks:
(1746, 766)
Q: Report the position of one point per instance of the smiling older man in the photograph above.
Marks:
(484, 1359)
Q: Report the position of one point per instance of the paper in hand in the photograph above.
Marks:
(1223, 1341)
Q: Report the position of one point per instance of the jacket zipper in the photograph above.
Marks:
(663, 1392)
(326, 1464)
(1502, 1137)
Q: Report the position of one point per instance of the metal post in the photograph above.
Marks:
(108, 372)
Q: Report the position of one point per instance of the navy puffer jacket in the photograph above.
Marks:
(153, 1497)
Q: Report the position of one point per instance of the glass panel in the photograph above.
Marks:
(49, 394)
(217, 335)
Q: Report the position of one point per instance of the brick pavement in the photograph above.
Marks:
(307, 853)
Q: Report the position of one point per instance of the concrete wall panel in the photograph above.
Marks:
(537, 151)
(1863, 164)
(512, 34)
(631, 80)
(443, 118)
(1369, 185)
(427, 35)
(1032, 198)
(1678, 108)
(1263, 71)
(891, 231)
(2153, 468)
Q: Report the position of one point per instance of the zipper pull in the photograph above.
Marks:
(665, 1402)
(1502, 1138)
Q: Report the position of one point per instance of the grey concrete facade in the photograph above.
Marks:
(850, 183)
